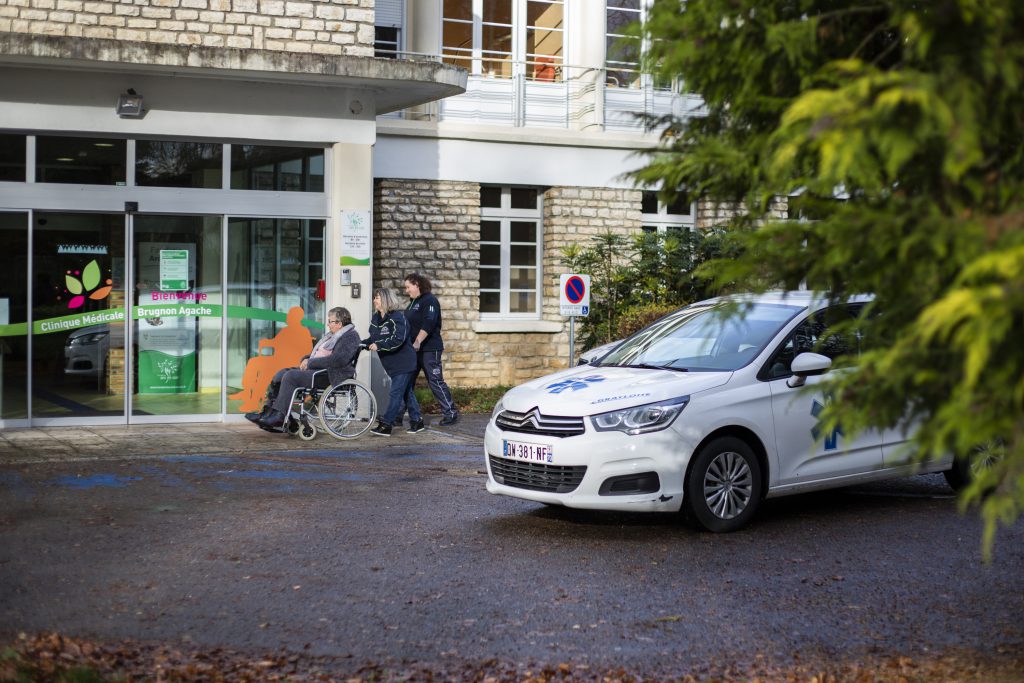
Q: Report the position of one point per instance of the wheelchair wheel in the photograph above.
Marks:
(307, 430)
(347, 409)
(291, 425)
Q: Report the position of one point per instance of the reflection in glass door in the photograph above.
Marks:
(78, 315)
(14, 317)
(176, 333)
(273, 312)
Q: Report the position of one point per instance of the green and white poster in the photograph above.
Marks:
(166, 341)
(174, 270)
(355, 238)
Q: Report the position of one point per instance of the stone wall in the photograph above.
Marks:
(434, 227)
(711, 214)
(329, 27)
(574, 215)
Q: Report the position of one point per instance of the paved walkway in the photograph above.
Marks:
(42, 444)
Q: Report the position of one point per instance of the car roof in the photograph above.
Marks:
(802, 298)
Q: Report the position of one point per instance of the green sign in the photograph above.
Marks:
(166, 373)
(68, 323)
(173, 270)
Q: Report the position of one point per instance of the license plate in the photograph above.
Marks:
(530, 452)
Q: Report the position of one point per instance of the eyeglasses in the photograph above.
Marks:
(334, 322)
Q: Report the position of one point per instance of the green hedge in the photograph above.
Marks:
(635, 318)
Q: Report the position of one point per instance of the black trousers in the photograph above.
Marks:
(430, 364)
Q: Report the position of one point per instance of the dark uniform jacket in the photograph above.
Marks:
(391, 335)
(424, 313)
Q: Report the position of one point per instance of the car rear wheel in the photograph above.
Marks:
(723, 490)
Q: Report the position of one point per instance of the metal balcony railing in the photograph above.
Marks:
(542, 94)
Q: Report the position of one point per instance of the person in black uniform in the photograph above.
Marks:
(389, 337)
(424, 315)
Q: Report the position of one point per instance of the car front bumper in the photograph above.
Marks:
(81, 361)
(610, 464)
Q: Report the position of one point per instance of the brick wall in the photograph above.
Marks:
(434, 227)
(329, 27)
(116, 368)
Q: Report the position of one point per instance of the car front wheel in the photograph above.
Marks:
(724, 486)
(966, 469)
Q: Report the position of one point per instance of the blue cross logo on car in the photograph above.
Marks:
(832, 439)
(573, 384)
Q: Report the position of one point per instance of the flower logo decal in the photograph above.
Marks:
(90, 280)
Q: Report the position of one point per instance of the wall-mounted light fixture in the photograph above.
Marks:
(129, 105)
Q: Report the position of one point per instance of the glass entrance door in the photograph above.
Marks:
(14, 318)
(273, 266)
(203, 338)
(78, 314)
(176, 320)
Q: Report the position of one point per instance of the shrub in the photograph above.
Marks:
(636, 318)
(468, 399)
(645, 272)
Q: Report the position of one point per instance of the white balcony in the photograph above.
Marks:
(566, 97)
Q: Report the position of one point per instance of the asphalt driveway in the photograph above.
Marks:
(390, 553)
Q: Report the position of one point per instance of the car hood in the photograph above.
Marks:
(591, 390)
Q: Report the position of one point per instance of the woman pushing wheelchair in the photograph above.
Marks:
(389, 337)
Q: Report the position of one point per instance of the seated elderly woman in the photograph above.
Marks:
(334, 352)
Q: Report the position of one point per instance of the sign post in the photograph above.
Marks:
(574, 300)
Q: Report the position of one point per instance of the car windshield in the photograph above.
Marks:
(704, 337)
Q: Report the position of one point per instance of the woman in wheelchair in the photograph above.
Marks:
(334, 352)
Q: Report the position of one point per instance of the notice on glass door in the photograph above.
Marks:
(167, 349)
(173, 270)
(165, 335)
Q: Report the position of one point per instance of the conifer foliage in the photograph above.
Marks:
(896, 129)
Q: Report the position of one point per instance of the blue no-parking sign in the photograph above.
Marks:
(574, 294)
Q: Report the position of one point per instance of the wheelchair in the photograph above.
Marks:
(344, 410)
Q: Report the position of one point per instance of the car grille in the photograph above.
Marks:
(536, 477)
(533, 422)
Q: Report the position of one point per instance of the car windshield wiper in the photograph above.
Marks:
(649, 366)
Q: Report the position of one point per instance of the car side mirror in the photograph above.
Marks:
(805, 365)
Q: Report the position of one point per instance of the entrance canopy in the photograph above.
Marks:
(387, 84)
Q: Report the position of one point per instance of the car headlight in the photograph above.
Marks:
(498, 407)
(651, 417)
(92, 338)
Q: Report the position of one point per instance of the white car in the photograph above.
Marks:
(597, 353)
(709, 410)
(86, 351)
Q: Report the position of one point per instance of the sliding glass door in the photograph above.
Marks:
(273, 267)
(176, 326)
(114, 318)
(14, 317)
(78, 315)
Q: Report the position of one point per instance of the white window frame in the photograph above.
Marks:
(620, 66)
(389, 14)
(662, 221)
(517, 50)
(505, 215)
